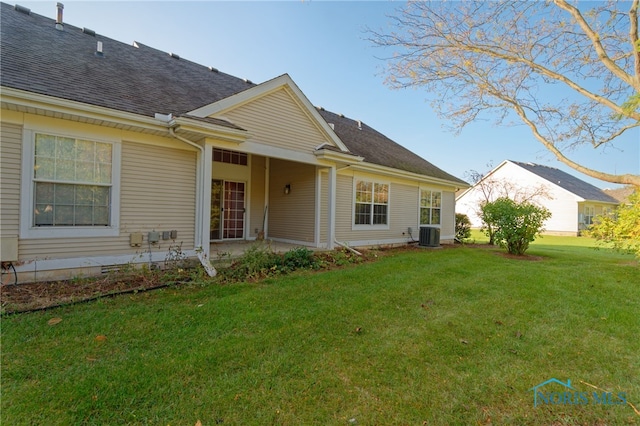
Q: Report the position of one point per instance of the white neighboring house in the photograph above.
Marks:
(573, 203)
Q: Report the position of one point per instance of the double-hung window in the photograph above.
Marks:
(589, 214)
(430, 207)
(371, 203)
(71, 186)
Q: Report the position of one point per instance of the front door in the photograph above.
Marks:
(227, 210)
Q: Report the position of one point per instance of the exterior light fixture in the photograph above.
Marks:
(287, 188)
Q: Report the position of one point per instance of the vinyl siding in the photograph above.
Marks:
(403, 213)
(277, 120)
(344, 207)
(157, 193)
(292, 216)
(10, 161)
(324, 206)
(404, 198)
(257, 202)
(448, 220)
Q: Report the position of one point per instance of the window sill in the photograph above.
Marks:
(369, 227)
(69, 232)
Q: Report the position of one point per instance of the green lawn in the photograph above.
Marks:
(437, 337)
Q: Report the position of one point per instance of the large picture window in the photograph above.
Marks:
(430, 207)
(371, 203)
(72, 182)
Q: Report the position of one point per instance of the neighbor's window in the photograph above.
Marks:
(72, 182)
(229, 157)
(589, 213)
(430, 207)
(371, 203)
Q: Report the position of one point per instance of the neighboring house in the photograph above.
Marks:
(573, 203)
(113, 153)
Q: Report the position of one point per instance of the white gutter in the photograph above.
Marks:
(199, 237)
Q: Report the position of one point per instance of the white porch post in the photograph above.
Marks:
(205, 206)
(266, 207)
(331, 204)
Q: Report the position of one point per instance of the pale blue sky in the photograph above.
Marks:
(323, 47)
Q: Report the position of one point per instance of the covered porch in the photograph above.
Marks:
(284, 203)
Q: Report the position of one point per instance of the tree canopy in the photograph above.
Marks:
(569, 71)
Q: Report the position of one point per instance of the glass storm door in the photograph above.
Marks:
(227, 210)
(234, 209)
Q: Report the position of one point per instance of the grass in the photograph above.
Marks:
(444, 337)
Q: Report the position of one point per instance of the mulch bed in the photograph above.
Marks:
(44, 295)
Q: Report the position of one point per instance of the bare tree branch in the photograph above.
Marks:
(569, 71)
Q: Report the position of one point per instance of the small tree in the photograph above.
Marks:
(622, 228)
(514, 225)
(491, 188)
(463, 227)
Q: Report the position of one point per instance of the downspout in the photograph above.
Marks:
(202, 255)
(347, 247)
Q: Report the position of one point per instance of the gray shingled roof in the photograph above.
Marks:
(568, 182)
(376, 148)
(141, 80)
(38, 58)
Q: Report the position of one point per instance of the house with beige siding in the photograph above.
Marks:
(573, 203)
(116, 154)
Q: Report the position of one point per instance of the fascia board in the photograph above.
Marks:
(280, 153)
(209, 130)
(325, 154)
(135, 121)
(73, 108)
(388, 171)
(264, 89)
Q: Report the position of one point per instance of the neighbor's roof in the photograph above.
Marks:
(568, 182)
(621, 194)
(141, 80)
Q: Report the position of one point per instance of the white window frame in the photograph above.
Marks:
(27, 228)
(420, 207)
(588, 209)
(355, 226)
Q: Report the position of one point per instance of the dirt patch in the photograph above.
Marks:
(43, 295)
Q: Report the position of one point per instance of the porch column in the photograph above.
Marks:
(205, 203)
(331, 204)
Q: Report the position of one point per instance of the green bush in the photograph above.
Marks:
(514, 225)
(622, 229)
(299, 258)
(463, 227)
(260, 261)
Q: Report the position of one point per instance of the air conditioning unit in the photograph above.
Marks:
(429, 237)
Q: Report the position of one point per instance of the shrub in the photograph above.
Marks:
(622, 228)
(514, 225)
(260, 261)
(299, 258)
(463, 227)
(256, 262)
